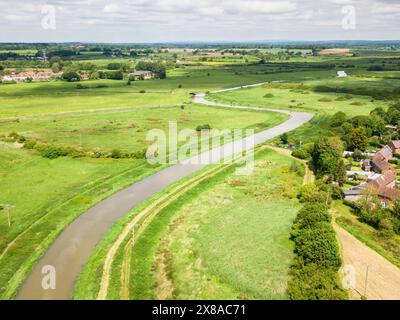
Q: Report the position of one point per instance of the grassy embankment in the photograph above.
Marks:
(227, 238)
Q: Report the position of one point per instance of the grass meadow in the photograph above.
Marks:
(227, 238)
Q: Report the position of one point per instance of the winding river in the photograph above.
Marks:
(71, 250)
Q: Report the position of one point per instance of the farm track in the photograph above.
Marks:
(376, 278)
(157, 207)
(71, 250)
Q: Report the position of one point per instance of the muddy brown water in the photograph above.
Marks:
(70, 251)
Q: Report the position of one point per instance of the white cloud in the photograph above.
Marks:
(168, 20)
(111, 8)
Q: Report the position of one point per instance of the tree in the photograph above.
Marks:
(341, 175)
(326, 156)
(114, 66)
(338, 119)
(358, 139)
(396, 210)
(115, 75)
(157, 68)
(71, 76)
(284, 138)
(55, 67)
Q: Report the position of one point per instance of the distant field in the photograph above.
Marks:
(27, 52)
(337, 52)
(127, 129)
(324, 103)
(226, 239)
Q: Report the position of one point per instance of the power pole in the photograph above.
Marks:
(366, 282)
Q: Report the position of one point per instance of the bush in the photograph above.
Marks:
(203, 127)
(317, 244)
(269, 95)
(314, 274)
(52, 152)
(314, 283)
(338, 119)
(311, 194)
(115, 75)
(71, 76)
(30, 144)
(325, 100)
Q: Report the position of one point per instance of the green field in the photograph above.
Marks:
(127, 129)
(226, 239)
(301, 100)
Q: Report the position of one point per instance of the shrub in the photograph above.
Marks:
(52, 152)
(357, 103)
(338, 119)
(317, 244)
(71, 76)
(314, 283)
(203, 127)
(116, 154)
(30, 144)
(325, 100)
(314, 273)
(269, 95)
(115, 75)
(311, 194)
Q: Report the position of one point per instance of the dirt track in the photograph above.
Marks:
(383, 280)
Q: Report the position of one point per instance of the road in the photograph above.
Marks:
(71, 250)
(375, 277)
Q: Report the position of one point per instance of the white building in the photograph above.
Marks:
(341, 74)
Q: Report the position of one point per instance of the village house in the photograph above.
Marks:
(380, 162)
(384, 179)
(395, 146)
(34, 75)
(366, 165)
(142, 75)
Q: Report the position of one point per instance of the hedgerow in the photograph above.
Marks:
(314, 273)
(50, 151)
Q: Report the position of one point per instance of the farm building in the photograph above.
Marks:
(142, 75)
(34, 75)
(341, 74)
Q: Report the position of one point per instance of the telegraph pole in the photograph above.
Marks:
(366, 281)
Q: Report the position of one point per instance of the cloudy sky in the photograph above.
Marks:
(197, 20)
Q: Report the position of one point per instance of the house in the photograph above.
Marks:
(34, 75)
(341, 74)
(385, 187)
(354, 194)
(380, 162)
(367, 165)
(142, 75)
(395, 146)
(384, 179)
